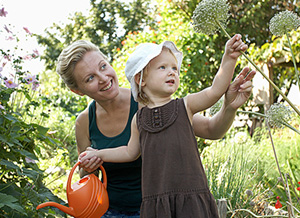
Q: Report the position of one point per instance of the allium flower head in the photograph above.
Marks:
(216, 107)
(278, 114)
(284, 22)
(207, 12)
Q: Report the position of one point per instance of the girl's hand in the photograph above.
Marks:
(89, 161)
(234, 46)
(240, 89)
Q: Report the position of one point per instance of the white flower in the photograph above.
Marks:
(207, 13)
(216, 107)
(284, 22)
(278, 114)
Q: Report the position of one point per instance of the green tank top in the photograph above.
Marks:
(123, 179)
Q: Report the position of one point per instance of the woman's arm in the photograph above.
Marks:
(83, 142)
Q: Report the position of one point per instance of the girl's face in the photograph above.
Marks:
(95, 77)
(162, 76)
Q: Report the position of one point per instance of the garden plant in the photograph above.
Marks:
(257, 175)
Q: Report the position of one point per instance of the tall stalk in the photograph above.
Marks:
(259, 70)
(293, 58)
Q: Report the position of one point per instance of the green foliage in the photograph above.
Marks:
(21, 178)
(233, 165)
(116, 27)
(22, 138)
(231, 168)
(106, 26)
(243, 170)
(250, 18)
(200, 61)
(278, 55)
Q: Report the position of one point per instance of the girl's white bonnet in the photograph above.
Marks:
(143, 54)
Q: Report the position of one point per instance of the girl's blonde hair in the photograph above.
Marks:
(70, 56)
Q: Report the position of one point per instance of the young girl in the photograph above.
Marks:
(174, 183)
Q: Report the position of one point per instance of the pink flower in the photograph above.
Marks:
(29, 160)
(30, 79)
(10, 38)
(7, 30)
(10, 84)
(35, 53)
(27, 30)
(27, 57)
(3, 13)
(35, 85)
(7, 57)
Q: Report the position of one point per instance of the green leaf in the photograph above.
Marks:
(42, 130)
(9, 164)
(27, 154)
(33, 174)
(10, 201)
(6, 199)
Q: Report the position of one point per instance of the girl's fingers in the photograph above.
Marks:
(233, 40)
(250, 75)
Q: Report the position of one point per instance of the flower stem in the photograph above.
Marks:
(264, 116)
(278, 167)
(259, 70)
(293, 58)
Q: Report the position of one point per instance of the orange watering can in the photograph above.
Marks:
(87, 198)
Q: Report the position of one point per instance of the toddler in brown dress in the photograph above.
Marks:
(174, 184)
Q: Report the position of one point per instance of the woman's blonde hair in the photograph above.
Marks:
(70, 56)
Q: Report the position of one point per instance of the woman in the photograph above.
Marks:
(106, 121)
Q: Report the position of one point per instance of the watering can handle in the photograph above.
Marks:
(104, 178)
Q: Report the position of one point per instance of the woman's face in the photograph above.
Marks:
(95, 77)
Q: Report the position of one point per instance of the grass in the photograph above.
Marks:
(243, 170)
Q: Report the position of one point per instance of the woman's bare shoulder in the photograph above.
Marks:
(83, 116)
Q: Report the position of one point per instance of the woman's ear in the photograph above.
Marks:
(77, 92)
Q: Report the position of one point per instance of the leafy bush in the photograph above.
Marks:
(22, 138)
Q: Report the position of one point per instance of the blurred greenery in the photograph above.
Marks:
(242, 169)
(40, 124)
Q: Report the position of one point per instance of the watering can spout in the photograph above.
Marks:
(68, 210)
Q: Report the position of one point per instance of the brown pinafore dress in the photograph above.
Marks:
(174, 184)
